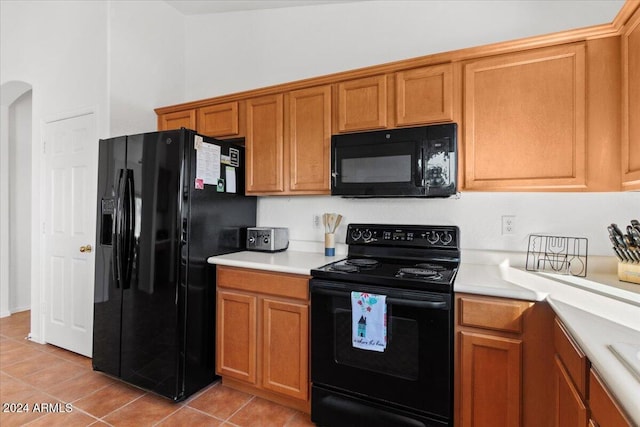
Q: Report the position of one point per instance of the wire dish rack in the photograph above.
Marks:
(558, 254)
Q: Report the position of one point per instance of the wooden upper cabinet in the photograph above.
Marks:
(631, 104)
(525, 120)
(264, 143)
(308, 139)
(219, 120)
(177, 120)
(424, 95)
(362, 104)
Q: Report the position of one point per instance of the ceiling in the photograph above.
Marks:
(201, 7)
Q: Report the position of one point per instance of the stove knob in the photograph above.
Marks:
(252, 240)
(266, 240)
(446, 237)
(366, 235)
(356, 234)
(433, 237)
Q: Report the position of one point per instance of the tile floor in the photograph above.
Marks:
(49, 378)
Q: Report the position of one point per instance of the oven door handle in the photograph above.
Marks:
(434, 305)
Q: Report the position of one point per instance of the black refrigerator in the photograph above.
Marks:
(166, 202)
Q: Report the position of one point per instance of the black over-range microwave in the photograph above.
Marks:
(406, 162)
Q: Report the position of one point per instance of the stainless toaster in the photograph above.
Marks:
(267, 239)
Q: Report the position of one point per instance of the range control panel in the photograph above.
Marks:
(420, 236)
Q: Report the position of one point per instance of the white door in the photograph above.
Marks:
(69, 203)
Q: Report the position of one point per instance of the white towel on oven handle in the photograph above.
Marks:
(369, 321)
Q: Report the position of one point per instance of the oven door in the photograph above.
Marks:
(415, 370)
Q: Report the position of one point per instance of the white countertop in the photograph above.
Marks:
(282, 262)
(598, 311)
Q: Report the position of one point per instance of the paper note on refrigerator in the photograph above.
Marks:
(208, 163)
(230, 178)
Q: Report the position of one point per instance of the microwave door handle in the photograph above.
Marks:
(422, 169)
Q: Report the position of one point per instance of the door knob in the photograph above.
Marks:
(85, 248)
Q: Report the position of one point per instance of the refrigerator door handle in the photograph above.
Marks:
(130, 221)
(117, 247)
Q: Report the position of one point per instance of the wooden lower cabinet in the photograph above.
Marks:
(581, 398)
(236, 330)
(491, 368)
(285, 347)
(503, 359)
(571, 409)
(605, 411)
(262, 334)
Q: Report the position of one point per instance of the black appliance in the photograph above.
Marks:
(410, 383)
(166, 202)
(405, 162)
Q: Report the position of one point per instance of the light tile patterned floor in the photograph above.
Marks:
(46, 375)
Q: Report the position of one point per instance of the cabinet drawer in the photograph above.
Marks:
(495, 314)
(604, 409)
(264, 282)
(573, 359)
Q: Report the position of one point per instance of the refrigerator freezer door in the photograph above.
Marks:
(108, 292)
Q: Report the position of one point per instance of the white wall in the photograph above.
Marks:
(146, 63)
(59, 48)
(19, 121)
(232, 52)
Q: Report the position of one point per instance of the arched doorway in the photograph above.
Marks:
(15, 196)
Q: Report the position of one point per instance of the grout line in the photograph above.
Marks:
(240, 408)
(222, 420)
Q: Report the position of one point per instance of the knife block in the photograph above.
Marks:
(629, 272)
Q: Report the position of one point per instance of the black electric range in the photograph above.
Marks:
(409, 382)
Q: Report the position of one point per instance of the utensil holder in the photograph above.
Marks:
(558, 254)
(329, 244)
(628, 272)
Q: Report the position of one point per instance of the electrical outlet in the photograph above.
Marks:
(508, 225)
(316, 221)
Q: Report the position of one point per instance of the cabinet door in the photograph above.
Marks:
(525, 120)
(424, 95)
(264, 144)
(218, 120)
(604, 408)
(285, 348)
(362, 104)
(571, 410)
(236, 336)
(491, 378)
(177, 120)
(631, 104)
(309, 139)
